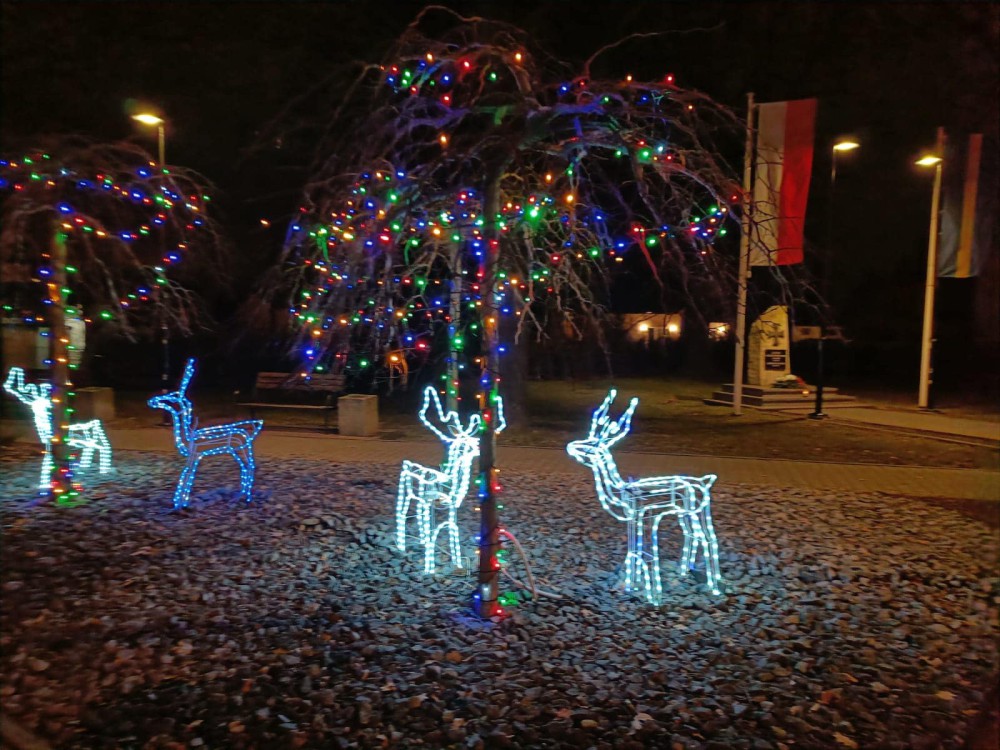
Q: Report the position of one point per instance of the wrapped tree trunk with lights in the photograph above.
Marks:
(61, 486)
(553, 183)
(104, 228)
(486, 599)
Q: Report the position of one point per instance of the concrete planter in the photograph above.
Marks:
(357, 415)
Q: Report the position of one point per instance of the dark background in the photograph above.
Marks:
(889, 73)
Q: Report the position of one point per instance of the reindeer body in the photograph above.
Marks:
(445, 488)
(88, 437)
(643, 503)
(195, 443)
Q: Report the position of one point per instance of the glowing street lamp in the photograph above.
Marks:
(846, 144)
(148, 118)
(840, 146)
(927, 338)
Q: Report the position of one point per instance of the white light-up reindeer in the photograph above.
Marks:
(87, 437)
(445, 487)
(195, 443)
(642, 504)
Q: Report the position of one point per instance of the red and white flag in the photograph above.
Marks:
(785, 134)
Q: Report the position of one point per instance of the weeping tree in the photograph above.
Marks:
(472, 185)
(100, 233)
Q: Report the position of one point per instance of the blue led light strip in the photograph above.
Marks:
(235, 439)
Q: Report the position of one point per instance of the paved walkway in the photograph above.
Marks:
(920, 421)
(906, 480)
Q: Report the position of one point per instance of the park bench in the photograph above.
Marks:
(317, 392)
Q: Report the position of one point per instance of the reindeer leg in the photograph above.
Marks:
(182, 495)
(455, 542)
(630, 558)
(430, 549)
(636, 568)
(45, 478)
(245, 460)
(654, 588)
(404, 494)
(711, 547)
(425, 519)
(86, 454)
(103, 451)
(688, 553)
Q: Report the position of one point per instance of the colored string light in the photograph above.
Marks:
(234, 439)
(87, 437)
(151, 190)
(643, 503)
(441, 235)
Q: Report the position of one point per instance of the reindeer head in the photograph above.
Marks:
(25, 393)
(604, 433)
(449, 421)
(177, 400)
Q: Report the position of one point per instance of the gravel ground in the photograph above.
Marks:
(850, 621)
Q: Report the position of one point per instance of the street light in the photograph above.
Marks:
(841, 145)
(148, 118)
(927, 339)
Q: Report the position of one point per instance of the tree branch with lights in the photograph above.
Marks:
(474, 185)
(101, 233)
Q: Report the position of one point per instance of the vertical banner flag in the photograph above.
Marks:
(968, 213)
(785, 134)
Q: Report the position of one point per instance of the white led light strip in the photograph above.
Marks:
(88, 437)
(643, 503)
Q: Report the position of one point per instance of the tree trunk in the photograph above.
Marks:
(453, 388)
(61, 487)
(514, 373)
(486, 598)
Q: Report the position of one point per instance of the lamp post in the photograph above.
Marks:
(839, 146)
(927, 339)
(148, 118)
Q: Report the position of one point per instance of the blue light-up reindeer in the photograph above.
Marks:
(443, 488)
(87, 437)
(195, 443)
(643, 503)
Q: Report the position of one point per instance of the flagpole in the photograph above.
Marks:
(744, 270)
(927, 339)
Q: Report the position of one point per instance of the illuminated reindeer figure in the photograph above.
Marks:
(85, 436)
(195, 443)
(445, 487)
(642, 504)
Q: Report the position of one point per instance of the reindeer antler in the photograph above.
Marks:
(430, 394)
(25, 393)
(603, 428)
(600, 416)
(186, 378)
(14, 384)
(615, 431)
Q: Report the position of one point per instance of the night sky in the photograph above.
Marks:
(223, 72)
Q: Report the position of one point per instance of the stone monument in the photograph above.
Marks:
(767, 356)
